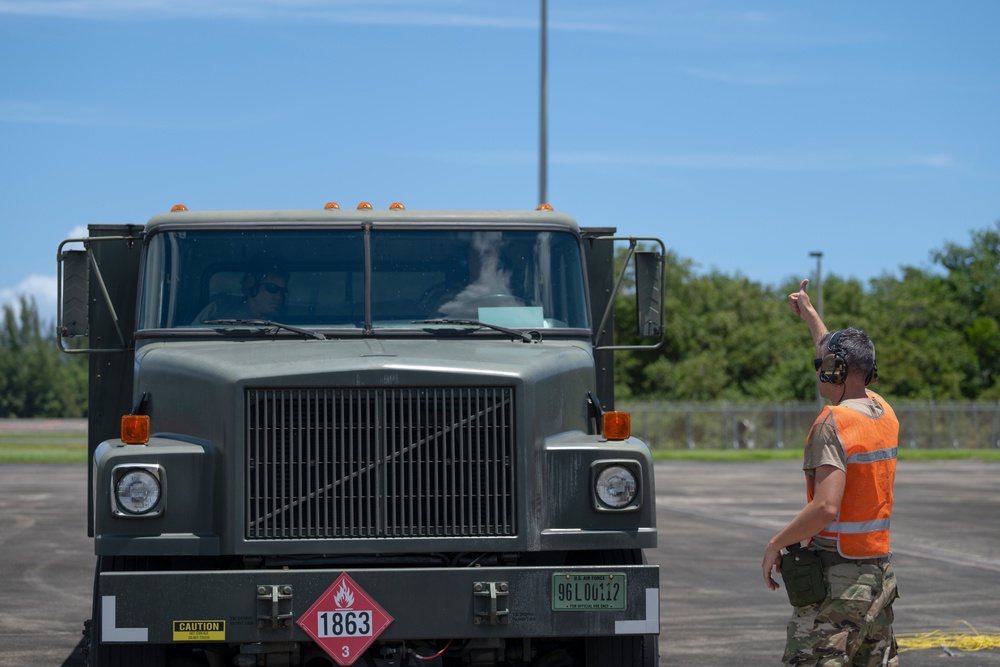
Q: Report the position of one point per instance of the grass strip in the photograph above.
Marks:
(736, 455)
(33, 446)
(54, 447)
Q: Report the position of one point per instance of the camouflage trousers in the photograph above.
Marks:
(852, 625)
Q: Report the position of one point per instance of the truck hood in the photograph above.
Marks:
(347, 362)
(192, 385)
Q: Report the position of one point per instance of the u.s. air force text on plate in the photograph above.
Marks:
(592, 591)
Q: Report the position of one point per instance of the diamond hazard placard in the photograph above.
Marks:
(344, 621)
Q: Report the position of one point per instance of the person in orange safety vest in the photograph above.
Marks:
(833, 557)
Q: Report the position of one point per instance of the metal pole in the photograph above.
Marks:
(819, 281)
(819, 309)
(543, 112)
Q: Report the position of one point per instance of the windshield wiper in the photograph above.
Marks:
(525, 336)
(270, 323)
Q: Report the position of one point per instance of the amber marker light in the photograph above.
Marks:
(617, 425)
(135, 429)
(544, 207)
(364, 206)
(331, 205)
(396, 206)
(178, 207)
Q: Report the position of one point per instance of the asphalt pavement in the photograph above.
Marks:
(714, 520)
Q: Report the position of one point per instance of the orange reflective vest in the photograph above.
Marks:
(870, 443)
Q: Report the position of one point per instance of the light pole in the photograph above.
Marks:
(819, 281)
(819, 309)
(542, 119)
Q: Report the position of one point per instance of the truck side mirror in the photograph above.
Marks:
(648, 293)
(74, 290)
(82, 286)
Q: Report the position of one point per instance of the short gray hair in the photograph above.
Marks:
(857, 348)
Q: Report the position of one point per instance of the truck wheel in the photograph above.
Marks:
(629, 651)
(625, 650)
(118, 655)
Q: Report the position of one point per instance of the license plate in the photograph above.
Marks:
(588, 591)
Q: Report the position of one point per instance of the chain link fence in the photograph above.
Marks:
(922, 425)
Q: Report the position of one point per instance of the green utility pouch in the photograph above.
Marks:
(802, 572)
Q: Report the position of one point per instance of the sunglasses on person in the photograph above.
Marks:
(271, 288)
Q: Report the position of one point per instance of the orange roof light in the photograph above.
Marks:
(178, 207)
(331, 205)
(617, 425)
(397, 206)
(544, 207)
(135, 429)
(364, 206)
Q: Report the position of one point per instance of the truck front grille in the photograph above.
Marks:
(379, 463)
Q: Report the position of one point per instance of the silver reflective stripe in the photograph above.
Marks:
(872, 457)
(858, 526)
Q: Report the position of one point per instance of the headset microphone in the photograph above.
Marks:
(833, 369)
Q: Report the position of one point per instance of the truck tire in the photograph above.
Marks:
(630, 651)
(118, 655)
(625, 650)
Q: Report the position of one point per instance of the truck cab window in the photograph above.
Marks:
(529, 279)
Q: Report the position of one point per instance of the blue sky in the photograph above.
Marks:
(745, 134)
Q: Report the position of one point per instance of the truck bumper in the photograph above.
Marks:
(424, 603)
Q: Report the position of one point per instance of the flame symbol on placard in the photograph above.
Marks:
(344, 599)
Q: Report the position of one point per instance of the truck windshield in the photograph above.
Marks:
(317, 278)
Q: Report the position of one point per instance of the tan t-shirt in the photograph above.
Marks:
(823, 448)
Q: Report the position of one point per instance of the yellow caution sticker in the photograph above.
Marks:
(199, 631)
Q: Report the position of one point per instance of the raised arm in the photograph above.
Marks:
(802, 306)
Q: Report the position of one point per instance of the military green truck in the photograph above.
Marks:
(363, 437)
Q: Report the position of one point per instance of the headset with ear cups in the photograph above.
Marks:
(872, 374)
(833, 368)
(250, 284)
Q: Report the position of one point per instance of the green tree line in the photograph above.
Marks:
(36, 378)
(937, 334)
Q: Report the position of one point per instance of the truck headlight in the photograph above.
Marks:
(137, 490)
(616, 485)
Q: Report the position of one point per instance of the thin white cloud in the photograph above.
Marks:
(757, 73)
(935, 160)
(78, 232)
(72, 114)
(819, 161)
(751, 16)
(788, 27)
(40, 288)
(760, 161)
(482, 157)
(43, 289)
(23, 111)
(423, 13)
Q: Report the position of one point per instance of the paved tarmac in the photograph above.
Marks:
(714, 519)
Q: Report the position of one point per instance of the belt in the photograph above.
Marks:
(829, 558)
